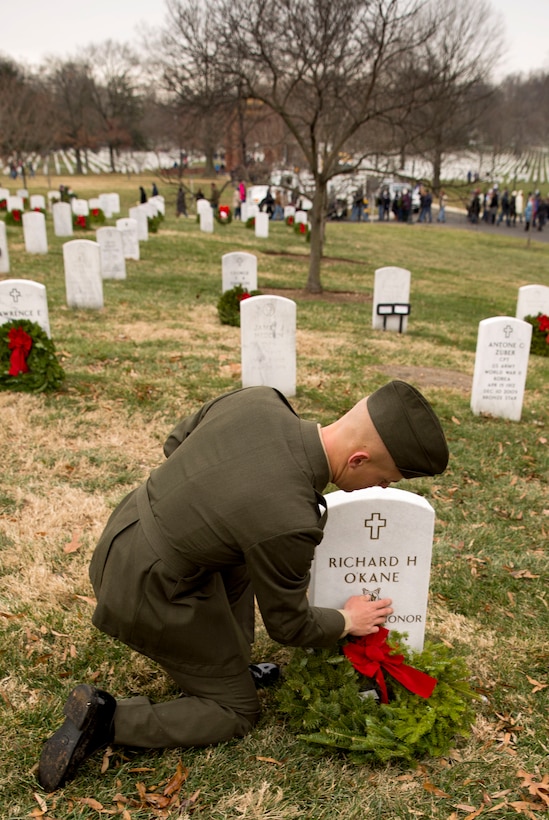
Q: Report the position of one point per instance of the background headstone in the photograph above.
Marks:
(377, 542)
(501, 364)
(80, 207)
(532, 299)
(206, 219)
(262, 226)
(268, 342)
(289, 210)
(15, 203)
(4, 252)
(62, 219)
(83, 281)
(4, 194)
(113, 264)
(53, 196)
(130, 240)
(37, 201)
(109, 204)
(140, 214)
(300, 217)
(239, 268)
(159, 202)
(23, 193)
(34, 232)
(392, 294)
(24, 299)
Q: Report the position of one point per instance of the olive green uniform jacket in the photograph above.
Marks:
(237, 502)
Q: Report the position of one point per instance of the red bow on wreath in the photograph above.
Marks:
(370, 655)
(20, 343)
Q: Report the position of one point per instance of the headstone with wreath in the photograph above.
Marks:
(37, 202)
(62, 219)
(83, 280)
(386, 695)
(34, 232)
(130, 240)
(4, 252)
(15, 203)
(159, 202)
(239, 268)
(53, 197)
(4, 194)
(113, 264)
(24, 299)
(532, 300)
(377, 542)
(268, 342)
(501, 364)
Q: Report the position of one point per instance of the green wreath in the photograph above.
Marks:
(321, 697)
(14, 217)
(44, 371)
(539, 345)
(228, 306)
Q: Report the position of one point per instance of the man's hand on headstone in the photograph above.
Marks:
(366, 615)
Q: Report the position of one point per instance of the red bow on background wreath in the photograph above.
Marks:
(370, 655)
(20, 343)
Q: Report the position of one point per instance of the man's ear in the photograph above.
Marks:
(358, 458)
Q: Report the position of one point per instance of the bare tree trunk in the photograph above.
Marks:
(317, 238)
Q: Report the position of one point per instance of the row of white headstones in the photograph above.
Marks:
(376, 542)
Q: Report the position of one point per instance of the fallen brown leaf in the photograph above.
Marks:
(75, 543)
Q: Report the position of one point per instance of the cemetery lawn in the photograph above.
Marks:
(156, 352)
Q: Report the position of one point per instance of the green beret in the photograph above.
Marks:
(409, 429)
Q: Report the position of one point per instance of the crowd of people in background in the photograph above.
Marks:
(510, 207)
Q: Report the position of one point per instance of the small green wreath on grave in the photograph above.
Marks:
(324, 699)
(80, 222)
(153, 223)
(97, 216)
(228, 306)
(540, 334)
(223, 215)
(250, 222)
(14, 217)
(27, 358)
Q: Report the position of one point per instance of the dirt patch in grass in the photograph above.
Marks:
(429, 376)
(325, 296)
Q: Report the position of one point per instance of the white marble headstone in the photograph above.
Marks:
(23, 193)
(4, 252)
(130, 241)
(53, 196)
(268, 342)
(38, 201)
(262, 226)
(206, 220)
(15, 203)
(62, 219)
(24, 299)
(80, 207)
(300, 217)
(289, 210)
(239, 268)
(4, 194)
(34, 232)
(159, 202)
(501, 364)
(141, 215)
(391, 299)
(532, 299)
(83, 280)
(113, 263)
(377, 542)
(202, 205)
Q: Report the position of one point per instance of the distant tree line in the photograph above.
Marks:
(324, 85)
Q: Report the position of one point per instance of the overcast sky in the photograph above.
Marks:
(62, 27)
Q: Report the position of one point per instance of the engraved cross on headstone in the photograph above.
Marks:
(507, 331)
(15, 294)
(375, 523)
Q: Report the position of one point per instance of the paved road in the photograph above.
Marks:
(458, 219)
